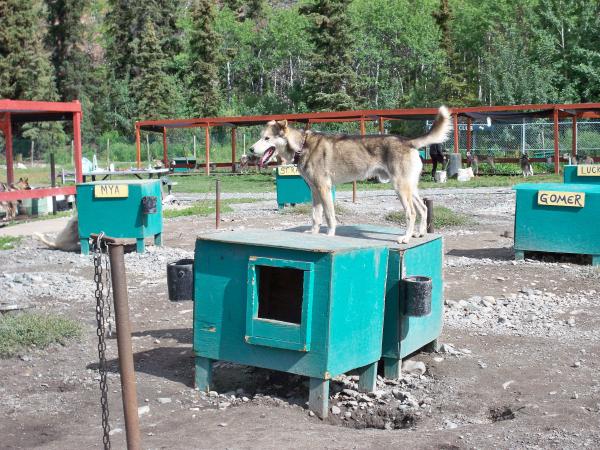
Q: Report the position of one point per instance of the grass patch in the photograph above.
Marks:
(260, 182)
(21, 332)
(442, 217)
(206, 208)
(9, 242)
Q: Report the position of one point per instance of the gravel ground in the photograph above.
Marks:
(518, 367)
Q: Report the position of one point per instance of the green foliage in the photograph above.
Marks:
(25, 69)
(205, 94)
(442, 217)
(19, 333)
(9, 242)
(331, 84)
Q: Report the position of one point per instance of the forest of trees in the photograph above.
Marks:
(139, 59)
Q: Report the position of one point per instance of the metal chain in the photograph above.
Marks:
(101, 333)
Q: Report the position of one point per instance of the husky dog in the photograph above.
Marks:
(68, 238)
(526, 166)
(11, 207)
(584, 159)
(326, 160)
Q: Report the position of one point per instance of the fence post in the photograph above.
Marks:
(556, 149)
(455, 118)
(574, 133)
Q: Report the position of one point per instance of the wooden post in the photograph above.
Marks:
(207, 150)
(469, 137)
(148, 147)
(31, 151)
(363, 131)
(233, 147)
(574, 140)
(165, 150)
(108, 154)
(77, 146)
(556, 149)
(53, 181)
(194, 140)
(138, 147)
(455, 118)
(381, 127)
(8, 139)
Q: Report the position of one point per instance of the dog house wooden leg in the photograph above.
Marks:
(432, 347)
(519, 255)
(158, 239)
(203, 373)
(139, 245)
(318, 397)
(367, 381)
(392, 368)
(85, 246)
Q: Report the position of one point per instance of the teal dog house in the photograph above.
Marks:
(291, 187)
(305, 304)
(557, 218)
(583, 173)
(130, 209)
(403, 332)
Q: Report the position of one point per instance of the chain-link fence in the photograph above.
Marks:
(536, 139)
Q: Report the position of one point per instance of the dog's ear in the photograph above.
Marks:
(283, 124)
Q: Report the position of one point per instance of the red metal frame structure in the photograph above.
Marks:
(554, 111)
(16, 112)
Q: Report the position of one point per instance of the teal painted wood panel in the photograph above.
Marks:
(293, 189)
(221, 294)
(356, 309)
(570, 176)
(403, 335)
(119, 217)
(555, 228)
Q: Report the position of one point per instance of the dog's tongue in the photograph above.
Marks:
(266, 156)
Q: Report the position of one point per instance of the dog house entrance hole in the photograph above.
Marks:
(280, 293)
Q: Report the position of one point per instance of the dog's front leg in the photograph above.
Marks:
(317, 211)
(328, 206)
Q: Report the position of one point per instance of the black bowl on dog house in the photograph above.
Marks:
(305, 304)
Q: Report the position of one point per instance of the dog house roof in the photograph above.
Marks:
(318, 243)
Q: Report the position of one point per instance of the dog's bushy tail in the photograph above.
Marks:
(45, 240)
(438, 133)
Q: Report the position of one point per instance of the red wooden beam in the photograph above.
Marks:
(233, 147)
(455, 119)
(8, 142)
(165, 152)
(25, 106)
(556, 149)
(207, 151)
(36, 193)
(77, 146)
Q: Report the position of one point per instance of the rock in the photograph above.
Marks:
(25, 358)
(163, 400)
(335, 410)
(245, 399)
(575, 396)
(143, 410)
(311, 414)
(115, 431)
(213, 394)
(507, 384)
(438, 359)
(489, 299)
(481, 364)
(222, 424)
(413, 367)
(450, 425)
(347, 414)
(576, 364)
(350, 392)
(448, 348)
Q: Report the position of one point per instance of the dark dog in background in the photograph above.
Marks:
(526, 168)
(438, 156)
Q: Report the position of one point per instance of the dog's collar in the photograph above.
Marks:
(298, 153)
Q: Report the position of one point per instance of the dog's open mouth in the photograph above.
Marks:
(266, 156)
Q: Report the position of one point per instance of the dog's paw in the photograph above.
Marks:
(313, 230)
(404, 240)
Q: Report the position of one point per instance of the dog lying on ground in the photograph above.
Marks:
(526, 166)
(326, 160)
(67, 240)
(11, 207)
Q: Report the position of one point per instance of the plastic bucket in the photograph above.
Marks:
(180, 280)
(417, 290)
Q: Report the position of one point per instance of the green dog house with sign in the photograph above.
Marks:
(558, 218)
(291, 187)
(130, 209)
(310, 305)
(583, 173)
